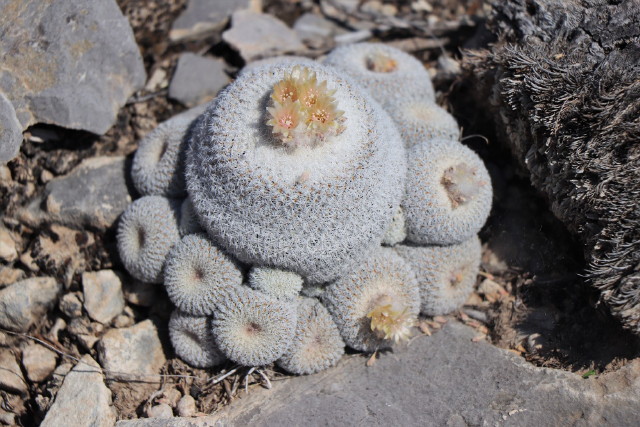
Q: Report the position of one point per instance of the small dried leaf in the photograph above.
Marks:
(372, 360)
(440, 319)
(424, 328)
(473, 323)
(434, 325)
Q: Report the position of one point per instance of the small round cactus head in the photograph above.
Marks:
(397, 231)
(188, 219)
(420, 121)
(158, 165)
(192, 340)
(147, 230)
(449, 193)
(198, 275)
(446, 274)
(253, 329)
(377, 304)
(296, 168)
(277, 283)
(388, 73)
(316, 344)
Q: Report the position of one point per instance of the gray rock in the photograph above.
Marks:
(61, 371)
(103, 297)
(70, 305)
(8, 250)
(85, 331)
(123, 321)
(10, 275)
(10, 131)
(204, 16)
(7, 418)
(83, 399)
(68, 63)
(92, 195)
(132, 351)
(197, 79)
(353, 37)
(87, 341)
(5, 174)
(11, 378)
(335, 8)
(24, 302)
(27, 260)
(316, 31)
(445, 379)
(186, 406)
(257, 35)
(38, 362)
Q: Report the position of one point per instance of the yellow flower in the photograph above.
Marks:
(390, 324)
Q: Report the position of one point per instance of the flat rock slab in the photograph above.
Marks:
(315, 30)
(83, 399)
(38, 361)
(92, 195)
(129, 352)
(444, 380)
(197, 79)
(10, 131)
(68, 63)
(204, 16)
(11, 378)
(258, 35)
(103, 296)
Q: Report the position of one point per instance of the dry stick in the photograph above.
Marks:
(476, 135)
(236, 383)
(223, 376)
(246, 380)
(213, 380)
(67, 355)
(265, 378)
(145, 98)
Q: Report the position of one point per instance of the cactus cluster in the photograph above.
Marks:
(311, 206)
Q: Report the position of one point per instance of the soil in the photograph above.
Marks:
(530, 299)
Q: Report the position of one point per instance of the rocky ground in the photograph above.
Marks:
(82, 343)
